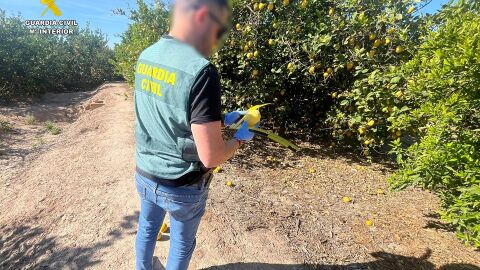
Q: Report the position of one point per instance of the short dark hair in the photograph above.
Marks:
(217, 3)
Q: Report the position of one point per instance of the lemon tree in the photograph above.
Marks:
(302, 55)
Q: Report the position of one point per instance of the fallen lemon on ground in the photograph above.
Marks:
(312, 170)
(217, 169)
(346, 199)
(380, 191)
(369, 223)
(229, 184)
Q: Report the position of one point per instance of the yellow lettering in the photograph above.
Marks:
(154, 72)
(161, 74)
(172, 78)
(139, 68)
(149, 71)
(145, 84)
(153, 86)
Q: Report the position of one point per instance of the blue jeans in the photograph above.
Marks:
(185, 205)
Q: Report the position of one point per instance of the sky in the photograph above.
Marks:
(99, 13)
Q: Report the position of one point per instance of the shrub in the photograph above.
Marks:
(52, 128)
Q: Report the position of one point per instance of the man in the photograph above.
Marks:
(178, 129)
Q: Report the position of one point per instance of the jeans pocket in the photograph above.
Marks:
(141, 189)
(186, 209)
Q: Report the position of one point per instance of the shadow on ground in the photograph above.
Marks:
(27, 246)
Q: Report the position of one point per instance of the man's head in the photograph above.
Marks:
(201, 23)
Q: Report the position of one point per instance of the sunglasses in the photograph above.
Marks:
(223, 29)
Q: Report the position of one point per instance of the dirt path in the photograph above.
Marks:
(70, 203)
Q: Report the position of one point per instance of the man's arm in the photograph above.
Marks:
(206, 120)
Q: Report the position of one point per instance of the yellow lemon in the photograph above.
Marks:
(334, 95)
(245, 48)
(377, 43)
(255, 6)
(391, 30)
(361, 130)
(367, 142)
(399, 49)
(331, 12)
(387, 41)
(238, 26)
(256, 53)
(372, 36)
(312, 170)
(346, 199)
(270, 6)
(271, 42)
(350, 65)
(326, 74)
(304, 4)
(411, 10)
(275, 25)
(311, 70)
(371, 123)
(329, 70)
(255, 72)
(369, 223)
(286, 3)
(399, 94)
(217, 169)
(229, 184)
(252, 117)
(261, 6)
(250, 43)
(290, 66)
(361, 16)
(371, 53)
(249, 55)
(380, 191)
(398, 133)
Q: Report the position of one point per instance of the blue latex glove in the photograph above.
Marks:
(243, 134)
(232, 117)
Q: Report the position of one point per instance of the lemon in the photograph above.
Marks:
(217, 169)
(275, 25)
(391, 30)
(255, 7)
(238, 26)
(331, 12)
(255, 72)
(377, 43)
(346, 199)
(385, 110)
(286, 3)
(282, 92)
(399, 49)
(250, 43)
(270, 6)
(256, 53)
(245, 48)
(387, 41)
(361, 130)
(380, 191)
(290, 66)
(271, 42)
(399, 94)
(371, 123)
(329, 70)
(372, 36)
(361, 16)
(367, 142)
(249, 55)
(398, 133)
(311, 70)
(312, 170)
(326, 74)
(252, 117)
(229, 184)
(334, 95)
(350, 65)
(411, 10)
(369, 223)
(371, 53)
(304, 4)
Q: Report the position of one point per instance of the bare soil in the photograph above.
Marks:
(68, 201)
